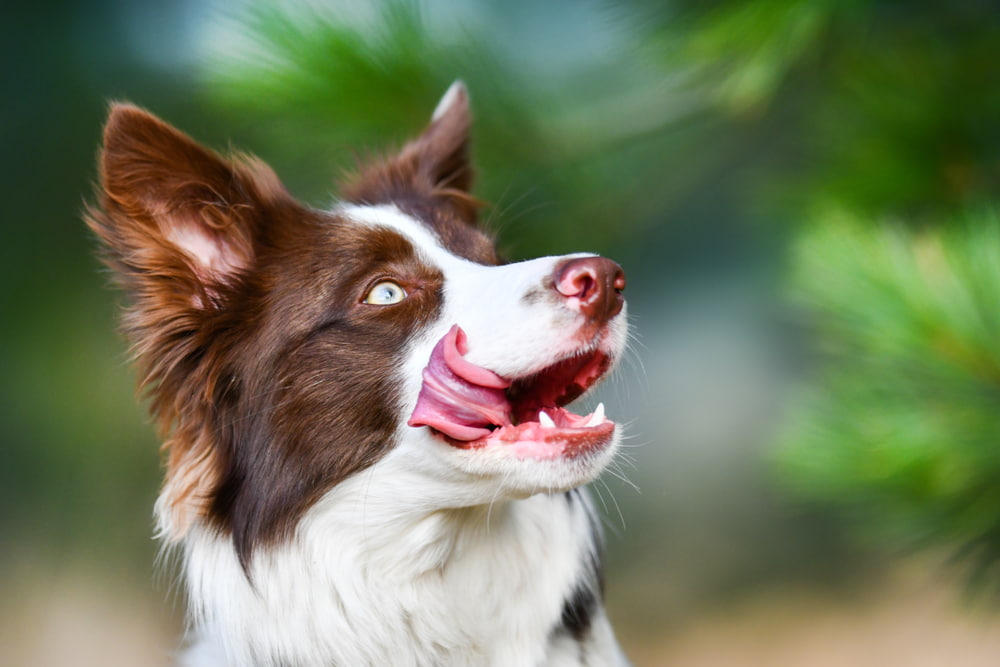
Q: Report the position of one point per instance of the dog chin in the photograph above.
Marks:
(499, 472)
(525, 476)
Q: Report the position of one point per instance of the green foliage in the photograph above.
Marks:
(744, 51)
(884, 107)
(559, 148)
(900, 428)
(878, 110)
(319, 69)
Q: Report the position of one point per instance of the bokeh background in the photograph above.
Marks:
(805, 198)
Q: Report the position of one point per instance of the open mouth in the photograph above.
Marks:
(471, 407)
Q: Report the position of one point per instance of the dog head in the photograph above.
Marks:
(286, 349)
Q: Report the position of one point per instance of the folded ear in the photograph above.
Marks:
(433, 166)
(176, 217)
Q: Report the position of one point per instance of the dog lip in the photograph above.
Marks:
(533, 441)
(471, 407)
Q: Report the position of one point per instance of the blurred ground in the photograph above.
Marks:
(905, 621)
(79, 619)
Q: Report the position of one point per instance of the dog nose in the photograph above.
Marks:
(593, 285)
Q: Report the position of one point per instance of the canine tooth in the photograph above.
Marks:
(597, 417)
(545, 420)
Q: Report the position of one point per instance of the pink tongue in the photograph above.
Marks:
(459, 398)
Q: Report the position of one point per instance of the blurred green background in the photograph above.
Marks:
(806, 199)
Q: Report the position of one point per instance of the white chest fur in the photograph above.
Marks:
(371, 580)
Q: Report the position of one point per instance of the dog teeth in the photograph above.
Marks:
(545, 420)
(597, 417)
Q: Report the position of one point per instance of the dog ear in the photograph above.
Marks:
(434, 167)
(443, 148)
(176, 217)
(179, 225)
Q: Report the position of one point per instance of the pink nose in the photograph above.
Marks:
(595, 284)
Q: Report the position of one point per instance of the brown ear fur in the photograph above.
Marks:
(178, 224)
(434, 166)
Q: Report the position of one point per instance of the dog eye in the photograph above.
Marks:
(385, 293)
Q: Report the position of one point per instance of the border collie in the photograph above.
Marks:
(368, 457)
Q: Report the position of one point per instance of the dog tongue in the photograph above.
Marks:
(458, 398)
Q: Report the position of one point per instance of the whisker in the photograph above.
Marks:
(503, 212)
(620, 475)
(496, 494)
(600, 497)
(617, 530)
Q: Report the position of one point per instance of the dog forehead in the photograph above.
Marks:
(425, 242)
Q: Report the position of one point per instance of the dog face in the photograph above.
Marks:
(286, 349)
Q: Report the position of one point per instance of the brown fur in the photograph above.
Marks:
(430, 180)
(257, 365)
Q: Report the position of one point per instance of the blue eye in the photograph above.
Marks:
(385, 293)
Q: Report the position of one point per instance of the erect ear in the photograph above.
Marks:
(443, 148)
(435, 165)
(179, 225)
(177, 217)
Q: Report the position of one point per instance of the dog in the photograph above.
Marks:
(368, 458)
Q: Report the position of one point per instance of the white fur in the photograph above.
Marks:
(213, 257)
(423, 586)
(456, 89)
(433, 555)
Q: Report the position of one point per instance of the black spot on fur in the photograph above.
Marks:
(533, 296)
(578, 611)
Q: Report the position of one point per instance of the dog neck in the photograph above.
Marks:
(370, 578)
